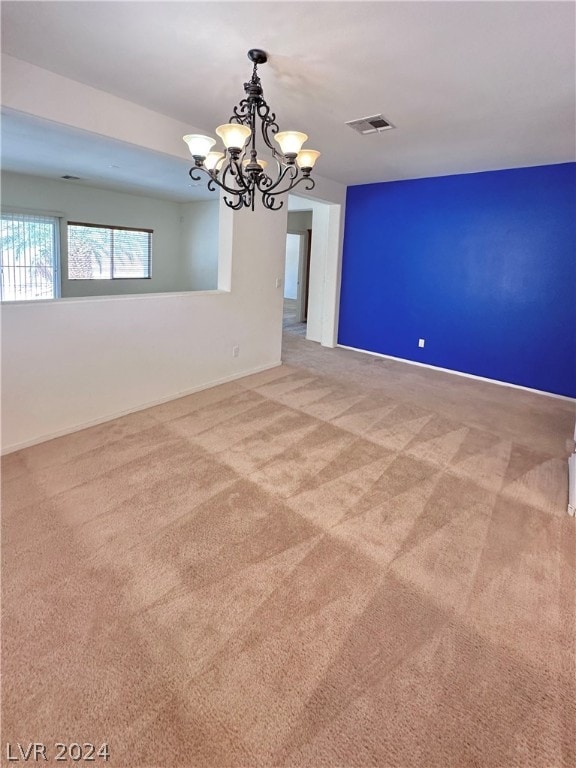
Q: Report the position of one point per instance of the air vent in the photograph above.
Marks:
(71, 178)
(373, 124)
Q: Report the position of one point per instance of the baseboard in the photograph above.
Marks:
(572, 485)
(143, 407)
(460, 373)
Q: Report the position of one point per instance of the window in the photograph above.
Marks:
(108, 253)
(29, 257)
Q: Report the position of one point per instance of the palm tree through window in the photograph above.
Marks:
(29, 257)
(98, 252)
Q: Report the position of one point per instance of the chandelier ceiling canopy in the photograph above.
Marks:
(240, 171)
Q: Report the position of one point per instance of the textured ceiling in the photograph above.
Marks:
(469, 86)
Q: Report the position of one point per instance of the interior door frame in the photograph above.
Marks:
(303, 273)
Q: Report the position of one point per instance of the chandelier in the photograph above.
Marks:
(239, 170)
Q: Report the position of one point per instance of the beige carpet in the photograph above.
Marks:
(344, 561)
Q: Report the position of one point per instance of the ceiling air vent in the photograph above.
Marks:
(373, 124)
(71, 178)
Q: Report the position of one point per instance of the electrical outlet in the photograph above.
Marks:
(278, 282)
(235, 351)
(421, 342)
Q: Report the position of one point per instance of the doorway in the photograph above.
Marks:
(296, 280)
(297, 271)
(320, 285)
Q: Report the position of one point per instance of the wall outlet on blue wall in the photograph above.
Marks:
(421, 342)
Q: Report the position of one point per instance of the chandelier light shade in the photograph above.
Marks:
(239, 170)
(307, 157)
(290, 141)
(199, 145)
(234, 135)
(213, 160)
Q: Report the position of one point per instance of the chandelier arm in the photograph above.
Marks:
(269, 125)
(234, 169)
(263, 182)
(246, 200)
(279, 164)
(311, 184)
(241, 113)
(271, 194)
(269, 201)
(226, 188)
(265, 113)
(287, 170)
(240, 197)
(222, 181)
(237, 205)
(212, 180)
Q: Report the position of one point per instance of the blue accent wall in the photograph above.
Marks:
(482, 266)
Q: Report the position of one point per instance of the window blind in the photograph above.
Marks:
(97, 252)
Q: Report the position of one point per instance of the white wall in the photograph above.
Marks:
(36, 91)
(70, 363)
(199, 244)
(299, 221)
(73, 362)
(328, 206)
(78, 202)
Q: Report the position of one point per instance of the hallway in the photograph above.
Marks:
(290, 322)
